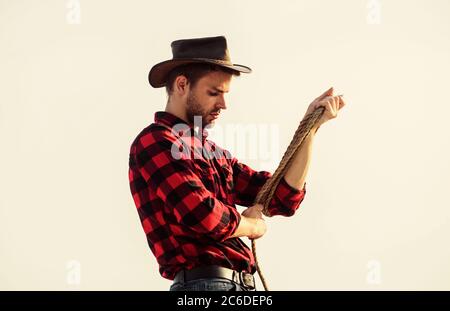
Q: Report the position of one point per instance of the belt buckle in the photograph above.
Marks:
(247, 280)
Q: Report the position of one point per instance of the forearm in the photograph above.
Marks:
(297, 171)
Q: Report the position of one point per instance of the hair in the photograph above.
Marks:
(194, 72)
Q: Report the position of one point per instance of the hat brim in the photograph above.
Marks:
(158, 74)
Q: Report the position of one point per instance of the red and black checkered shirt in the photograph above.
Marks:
(186, 196)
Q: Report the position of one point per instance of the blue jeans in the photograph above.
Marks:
(210, 284)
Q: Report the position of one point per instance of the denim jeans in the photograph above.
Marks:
(210, 284)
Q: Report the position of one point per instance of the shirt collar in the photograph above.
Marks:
(171, 120)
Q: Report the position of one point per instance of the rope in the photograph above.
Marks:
(266, 193)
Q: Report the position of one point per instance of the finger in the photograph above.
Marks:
(338, 103)
(329, 107)
(335, 105)
(332, 112)
(328, 92)
(341, 102)
(332, 107)
(327, 99)
(323, 102)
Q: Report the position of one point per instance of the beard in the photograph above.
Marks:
(194, 108)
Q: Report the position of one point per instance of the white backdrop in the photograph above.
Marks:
(74, 94)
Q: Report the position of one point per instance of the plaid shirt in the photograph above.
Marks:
(186, 197)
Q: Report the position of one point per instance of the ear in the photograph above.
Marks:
(181, 84)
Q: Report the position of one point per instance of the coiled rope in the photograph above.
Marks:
(266, 193)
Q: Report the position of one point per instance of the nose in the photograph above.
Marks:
(221, 103)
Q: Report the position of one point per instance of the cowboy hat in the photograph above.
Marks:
(211, 50)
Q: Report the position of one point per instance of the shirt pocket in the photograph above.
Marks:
(207, 175)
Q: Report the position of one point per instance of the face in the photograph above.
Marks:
(206, 99)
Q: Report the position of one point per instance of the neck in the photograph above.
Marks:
(177, 109)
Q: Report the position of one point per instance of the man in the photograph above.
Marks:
(186, 187)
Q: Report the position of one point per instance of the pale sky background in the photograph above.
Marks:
(74, 94)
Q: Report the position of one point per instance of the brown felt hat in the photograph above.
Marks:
(197, 50)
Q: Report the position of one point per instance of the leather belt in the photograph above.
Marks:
(243, 278)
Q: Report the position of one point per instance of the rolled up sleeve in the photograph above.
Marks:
(286, 199)
(248, 182)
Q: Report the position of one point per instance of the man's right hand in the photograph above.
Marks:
(259, 230)
(254, 213)
(252, 225)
